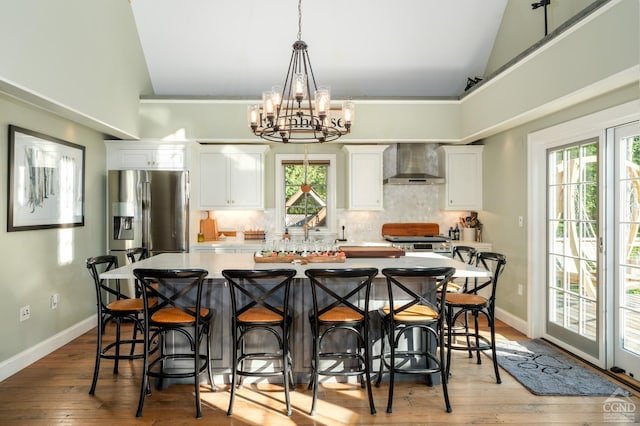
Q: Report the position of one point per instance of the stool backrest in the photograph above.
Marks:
(104, 288)
(269, 289)
(407, 287)
(171, 288)
(136, 254)
(465, 254)
(494, 263)
(331, 288)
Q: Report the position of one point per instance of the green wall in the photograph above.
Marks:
(80, 59)
(31, 267)
(505, 194)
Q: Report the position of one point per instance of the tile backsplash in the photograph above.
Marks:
(402, 203)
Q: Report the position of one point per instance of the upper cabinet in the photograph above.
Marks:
(462, 168)
(364, 174)
(231, 177)
(147, 155)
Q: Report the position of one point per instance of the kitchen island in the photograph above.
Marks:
(216, 295)
(215, 263)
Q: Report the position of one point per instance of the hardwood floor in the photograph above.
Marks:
(55, 389)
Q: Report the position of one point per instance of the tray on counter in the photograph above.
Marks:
(301, 259)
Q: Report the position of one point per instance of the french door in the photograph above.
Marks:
(625, 140)
(573, 245)
(593, 247)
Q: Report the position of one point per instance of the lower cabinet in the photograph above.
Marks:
(216, 294)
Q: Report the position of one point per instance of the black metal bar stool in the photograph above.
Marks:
(113, 305)
(341, 307)
(260, 305)
(173, 305)
(412, 307)
(464, 254)
(471, 303)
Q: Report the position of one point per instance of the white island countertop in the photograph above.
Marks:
(215, 263)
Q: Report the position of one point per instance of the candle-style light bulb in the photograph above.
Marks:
(267, 104)
(253, 115)
(299, 88)
(348, 114)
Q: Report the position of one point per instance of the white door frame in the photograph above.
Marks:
(590, 126)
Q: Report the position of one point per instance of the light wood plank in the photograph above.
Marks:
(54, 390)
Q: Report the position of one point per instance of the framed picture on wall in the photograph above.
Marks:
(46, 182)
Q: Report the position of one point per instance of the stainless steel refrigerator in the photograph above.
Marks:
(148, 208)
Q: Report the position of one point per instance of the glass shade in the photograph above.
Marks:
(348, 112)
(276, 96)
(267, 104)
(300, 86)
(323, 102)
(253, 114)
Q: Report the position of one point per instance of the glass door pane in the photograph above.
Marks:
(626, 320)
(573, 248)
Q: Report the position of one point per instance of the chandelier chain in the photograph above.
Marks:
(299, 20)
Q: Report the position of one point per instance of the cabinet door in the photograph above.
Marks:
(213, 181)
(365, 182)
(169, 159)
(463, 174)
(146, 156)
(365, 190)
(135, 158)
(245, 181)
(463, 177)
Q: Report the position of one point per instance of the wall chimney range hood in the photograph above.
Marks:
(411, 161)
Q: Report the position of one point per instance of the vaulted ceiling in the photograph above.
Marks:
(360, 48)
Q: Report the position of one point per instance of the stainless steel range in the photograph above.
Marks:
(417, 237)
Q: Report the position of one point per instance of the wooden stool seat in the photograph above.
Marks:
(415, 313)
(341, 314)
(126, 305)
(176, 316)
(260, 314)
(466, 299)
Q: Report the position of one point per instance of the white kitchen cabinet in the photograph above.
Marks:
(461, 167)
(147, 155)
(231, 177)
(364, 176)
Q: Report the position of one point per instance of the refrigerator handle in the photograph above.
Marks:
(146, 214)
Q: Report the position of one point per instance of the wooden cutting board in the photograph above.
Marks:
(410, 229)
(371, 251)
(209, 228)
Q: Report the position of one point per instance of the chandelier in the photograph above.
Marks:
(290, 114)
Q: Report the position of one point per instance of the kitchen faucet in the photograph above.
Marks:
(305, 227)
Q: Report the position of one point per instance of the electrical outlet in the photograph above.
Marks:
(520, 290)
(54, 300)
(520, 221)
(25, 313)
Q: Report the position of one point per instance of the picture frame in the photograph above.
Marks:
(46, 182)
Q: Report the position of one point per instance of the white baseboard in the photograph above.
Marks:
(17, 362)
(516, 322)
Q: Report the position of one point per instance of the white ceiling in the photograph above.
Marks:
(360, 48)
